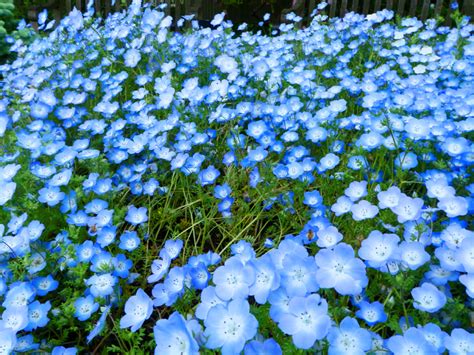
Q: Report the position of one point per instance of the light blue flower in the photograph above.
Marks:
(138, 309)
(172, 336)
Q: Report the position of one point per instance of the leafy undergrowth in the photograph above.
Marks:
(218, 191)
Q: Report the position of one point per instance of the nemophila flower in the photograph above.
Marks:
(412, 341)
(101, 285)
(171, 249)
(222, 191)
(406, 160)
(138, 308)
(208, 175)
(460, 342)
(356, 190)
(266, 279)
(158, 268)
(174, 284)
(19, 295)
(454, 234)
(455, 146)
(339, 269)
(453, 206)
(137, 216)
(7, 189)
(363, 210)
(389, 198)
(172, 336)
(61, 350)
(465, 254)
(106, 236)
(357, 162)
(413, 254)
(349, 338)
(25, 343)
(38, 315)
(99, 326)
(233, 279)
(378, 248)
(408, 209)
(439, 188)
(269, 346)
(50, 195)
(209, 299)
(468, 281)
(44, 285)
(14, 318)
(8, 340)
(435, 336)
(306, 320)
(129, 241)
(328, 237)
(312, 198)
(132, 57)
(85, 307)
(230, 327)
(329, 161)
(342, 206)
(200, 276)
(371, 313)
(226, 64)
(428, 298)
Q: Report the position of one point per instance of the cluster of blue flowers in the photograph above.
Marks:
(360, 128)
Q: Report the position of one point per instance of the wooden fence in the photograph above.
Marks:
(205, 9)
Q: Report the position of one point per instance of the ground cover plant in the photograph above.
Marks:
(213, 190)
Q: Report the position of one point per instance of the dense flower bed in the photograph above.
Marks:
(207, 190)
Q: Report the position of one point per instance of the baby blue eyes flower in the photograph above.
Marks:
(136, 216)
(129, 241)
(341, 270)
(8, 340)
(363, 210)
(306, 320)
(356, 190)
(328, 237)
(138, 309)
(460, 342)
(230, 327)
(371, 313)
(312, 198)
(377, 249)
(267, 347)
(233, 279)
(208, 176)
(413, 254)
(412, 341)
(101, 285)
(7, 189)
(428, 298)
(226, 64)
(50, 195)
(171, 249)
(85, 306)
(132, 57)
(172, 336)
(349, 338)
(453, 206)
(408, 209)
(15, 318)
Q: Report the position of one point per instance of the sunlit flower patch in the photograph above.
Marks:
(213, 190)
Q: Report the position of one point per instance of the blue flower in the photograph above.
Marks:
(267, 347)
(312, 198)
(50, 195)
(85, 306)
(208, 175)
(378, 248)
(428, 298)
(230, 327)
(412, 340)
(306, 320)
(129, 241)
(172, 336)
(7, 340)
(38, 315)
(233, 280)
(138, 309)
(266, 279)
(15, 318)
(371, 313)
(339, 269)
(132, 57)
(136, 216)
(101, 285)
(171, 249)
(349, 338)
(460, 342)
(99, 326)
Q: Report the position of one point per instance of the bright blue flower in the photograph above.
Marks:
(136, 216)
(37, 315)
(138, 309)
(349, 338)
(15, 318)
(172, 336)
(101, 285)
(268, 347)
(85, 306)
(61, 350)
(306, 320)
(233, 280)
(356, 190)
(428, 298)
(339, 269)
(312, 198)
(378, 248)
(99, 326)
(199, 276)
(222, 191)
(131, 58)
(230, 327)
(435, 336)
(129, 241)
(44, 285)
(209, 299)
(122, 266)
(8, 340)
(208, 175)
(460, 342)
(413, 254)
(50, 195)
(328, 237)
(371, 313)
(266, 279)
(171, 249)
(298, 274)
(412, 340)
